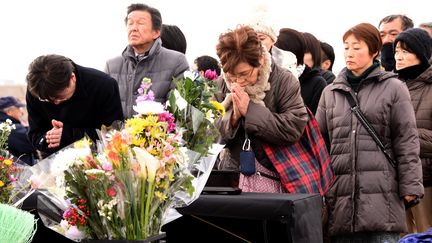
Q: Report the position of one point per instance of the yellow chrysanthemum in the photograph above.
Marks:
(1, 183)
(7, 162)
(82, 143)
(218, 106)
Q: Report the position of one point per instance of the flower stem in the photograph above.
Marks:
(142, 218)
(147, 207)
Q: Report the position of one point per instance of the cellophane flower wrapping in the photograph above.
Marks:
(16, 225)
(125, 185)
(13, 191)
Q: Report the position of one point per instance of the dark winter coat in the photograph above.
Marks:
(367, 195)
(311, 87)
(281, 121)
(421, 96)
(161, 65)
(96, 102)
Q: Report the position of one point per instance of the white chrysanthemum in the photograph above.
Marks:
(94, 172)
(190, 74)
(146, 107)
(64, 159)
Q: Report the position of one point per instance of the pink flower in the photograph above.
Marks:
(210, 74)
(169, 118)
(106, 166)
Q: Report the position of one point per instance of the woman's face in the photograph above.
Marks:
(266, 41)
(244, 75)
(405, 58)
(356, 54)
(307, 59)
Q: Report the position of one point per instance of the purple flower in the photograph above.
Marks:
(150, 95)
(144, 97)
(210, 74)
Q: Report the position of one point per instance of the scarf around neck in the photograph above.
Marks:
(257, 91)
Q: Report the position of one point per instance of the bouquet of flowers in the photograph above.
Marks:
(122, 186)
(7, 168)
(15, 225)
(195, 110)
(12, 191)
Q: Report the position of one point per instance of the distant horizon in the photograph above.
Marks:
(90, 34)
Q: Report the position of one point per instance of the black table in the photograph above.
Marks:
(250, 217)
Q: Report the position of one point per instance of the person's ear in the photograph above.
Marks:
(326, 65)
(375, 55)
(156, 34)
(72, 79)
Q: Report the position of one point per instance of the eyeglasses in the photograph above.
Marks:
(44, 100)
(55, 100)
(243, 75)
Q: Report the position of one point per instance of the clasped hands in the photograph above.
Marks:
(53, 136)
(240, 100)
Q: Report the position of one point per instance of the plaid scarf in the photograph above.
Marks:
(304, 167)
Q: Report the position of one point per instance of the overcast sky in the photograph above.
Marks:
(92, 31)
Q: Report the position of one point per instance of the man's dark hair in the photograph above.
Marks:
(406, 22)
(156, 17)
(207, 62)
(173, 38)
(48, 75)
(327, 53)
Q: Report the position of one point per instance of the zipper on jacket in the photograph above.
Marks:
(354, 167)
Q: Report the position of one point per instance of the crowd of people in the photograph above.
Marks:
(268, 81)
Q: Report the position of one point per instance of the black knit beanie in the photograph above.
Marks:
(418, 41)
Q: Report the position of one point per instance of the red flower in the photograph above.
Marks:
(111, 192)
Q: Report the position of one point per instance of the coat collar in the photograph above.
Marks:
(376, 75)
(130, 53)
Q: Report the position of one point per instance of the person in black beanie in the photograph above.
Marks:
(413, 49)
(390, 27)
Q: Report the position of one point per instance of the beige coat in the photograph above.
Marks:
(367, 193)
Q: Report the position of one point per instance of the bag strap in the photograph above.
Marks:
(364, 121)
(246, 144)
